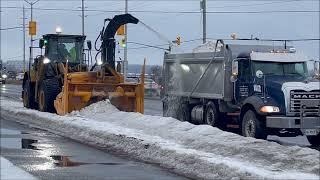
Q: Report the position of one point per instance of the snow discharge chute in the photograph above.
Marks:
(81, 89)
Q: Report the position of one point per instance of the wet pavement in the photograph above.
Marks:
(49, 156)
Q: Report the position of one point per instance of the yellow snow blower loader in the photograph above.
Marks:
(60, 80)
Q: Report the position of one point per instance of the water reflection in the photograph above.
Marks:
(28, 144)
(65, 161)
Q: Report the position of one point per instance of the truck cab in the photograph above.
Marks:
(278, 86)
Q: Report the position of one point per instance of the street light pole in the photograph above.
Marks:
(24, 39)
(125, 62)
(0, 35)
(204, 23)
(31, 38)
(82, 3)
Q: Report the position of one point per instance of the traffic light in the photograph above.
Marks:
(178, 40)
(32, 28)
(123, 42)
(120, 31)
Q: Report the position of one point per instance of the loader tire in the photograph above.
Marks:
(49, 90)
(28, 95)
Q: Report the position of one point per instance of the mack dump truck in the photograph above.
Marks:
(260, 89)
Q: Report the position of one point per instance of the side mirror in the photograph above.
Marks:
(41, 43)
(317, 68)
(235, 71)
(259, 74)
(89, 45)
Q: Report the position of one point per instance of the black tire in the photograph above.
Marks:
(251, 126)
(314, 140)
(164, 109)
(49, 90)
(211, 115)
(183, 113)
(28, 95)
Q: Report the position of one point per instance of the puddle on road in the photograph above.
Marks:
(28, 144)
(5, 131)
(19, 143)
(65, 161)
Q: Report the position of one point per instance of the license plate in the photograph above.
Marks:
(311, 132)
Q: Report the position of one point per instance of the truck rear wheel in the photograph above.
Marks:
(252, 126)
(28, 95)
(314, 140)
(212, 115)
(184, 113)
(48, 92)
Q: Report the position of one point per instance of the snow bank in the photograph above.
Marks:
(12, 172)
(207, 47)
(195, 151)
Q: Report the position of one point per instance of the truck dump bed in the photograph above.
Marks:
(183, 72)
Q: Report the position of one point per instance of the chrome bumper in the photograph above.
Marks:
(293, 122)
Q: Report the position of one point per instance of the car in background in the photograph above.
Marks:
(19, 76)
(3, 78)
(151, 88)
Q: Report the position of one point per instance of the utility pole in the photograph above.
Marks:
(24, 39)
(125, 61)
(204, 20)
(31, 37)
(0, 35)
(82, 3)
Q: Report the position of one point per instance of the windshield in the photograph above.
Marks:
(64, 49)
(280, 68)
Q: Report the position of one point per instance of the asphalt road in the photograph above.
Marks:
(49, 156)
(153, 106)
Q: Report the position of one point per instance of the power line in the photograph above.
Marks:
(9, 28)
(258, 4)
(172, 12)
(147, 45)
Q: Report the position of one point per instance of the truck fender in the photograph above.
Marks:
(252, 102)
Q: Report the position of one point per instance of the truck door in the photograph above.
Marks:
(244, 83)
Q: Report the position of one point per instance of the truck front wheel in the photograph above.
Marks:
(314, 140)
(252, 126)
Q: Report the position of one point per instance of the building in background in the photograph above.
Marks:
(15, 65)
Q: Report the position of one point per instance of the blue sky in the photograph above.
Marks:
(188, 26)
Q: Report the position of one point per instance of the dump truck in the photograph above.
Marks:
(60, 80)
(259, 89)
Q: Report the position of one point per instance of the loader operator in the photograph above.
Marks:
(65, 54)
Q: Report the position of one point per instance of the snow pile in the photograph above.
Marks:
(195, 151)
(12, 172)
(207, 47)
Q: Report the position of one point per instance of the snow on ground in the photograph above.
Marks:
(12, 172)
(197, 151)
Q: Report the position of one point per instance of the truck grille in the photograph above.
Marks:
(307, 102)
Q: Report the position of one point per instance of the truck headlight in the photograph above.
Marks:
(4, 76)
(269, 109)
